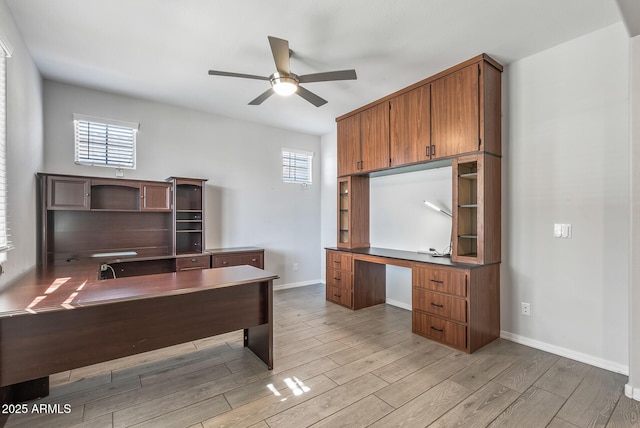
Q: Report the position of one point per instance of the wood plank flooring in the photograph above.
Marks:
(336, 368)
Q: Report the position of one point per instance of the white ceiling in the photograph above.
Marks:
(162, 49)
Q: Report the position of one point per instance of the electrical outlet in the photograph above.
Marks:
(295, 267)
(103, 267)
(526, 308)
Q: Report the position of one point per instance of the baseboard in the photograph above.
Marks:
(398, 304)
(296, 284)
(631, 392)
(567, 353)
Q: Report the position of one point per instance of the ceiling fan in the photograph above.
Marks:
(284, 82)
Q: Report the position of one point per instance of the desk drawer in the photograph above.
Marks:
(339, 296)
(450, 281)
(339, 279)
(339, 260)
(252, 259)
(440, 304)
(191, 263)
(440, 330)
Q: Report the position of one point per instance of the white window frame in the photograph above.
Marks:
(291, 173)
(100, 140)
(5, 243)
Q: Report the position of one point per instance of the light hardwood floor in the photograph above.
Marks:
(338, 368)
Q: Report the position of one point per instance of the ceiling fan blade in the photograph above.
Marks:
(329, 75)
(263, 96)
(280, 51)
(311, 97)
(228, 74)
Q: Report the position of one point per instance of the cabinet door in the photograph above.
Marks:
(156, 197)
(68, 193)
(349, 145)
(410, 127)
(455, 113)
(374, 138)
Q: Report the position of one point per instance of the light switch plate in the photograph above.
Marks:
(562, 230)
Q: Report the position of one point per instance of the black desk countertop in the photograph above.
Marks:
(411, 256)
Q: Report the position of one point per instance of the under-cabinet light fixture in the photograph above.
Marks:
(436, 208)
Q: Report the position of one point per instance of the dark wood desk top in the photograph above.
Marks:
(76, 285)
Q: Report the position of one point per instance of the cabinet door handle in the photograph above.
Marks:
(433, 150)
(336, 279)
(437, 281)
(337, 295)
(437, 305)
(441, 330)
(428, 151)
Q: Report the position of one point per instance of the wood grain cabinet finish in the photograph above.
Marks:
(410, 127)
(339, 278)
(465, 115)
(239, 258)
(476, 209)
(455, 306)
(156, 197)
(193, 263)
(188, 202)
(68, 193)
(353, 212)
(363, 141)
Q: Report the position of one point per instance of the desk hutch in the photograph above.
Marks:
(451, 118)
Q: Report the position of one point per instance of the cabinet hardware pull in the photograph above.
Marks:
(193, 260)
(336, 295)
(224, 262)
(337, 279)
(441, 330)
(428, 151)
(437, 305)
(338, 263)
(253, 259)
(433, 150)
(436, 281)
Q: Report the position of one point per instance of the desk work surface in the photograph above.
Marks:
(408, 256)
(76, 285)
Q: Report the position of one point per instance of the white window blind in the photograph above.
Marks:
(296, 166)
(5, 243)
(105, 142)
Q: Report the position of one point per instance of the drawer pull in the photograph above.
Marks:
(437, 305)
(336, 279)
(441, 330)
(337, 263)
(253, 259)
(337, 295)
(193, 260)
(225, 262)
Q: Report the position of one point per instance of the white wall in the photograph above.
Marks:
(247, 204)
(566, 146)
(328, 197)
(24, 149)
(633, 387)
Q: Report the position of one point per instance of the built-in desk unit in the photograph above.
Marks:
(451, 118)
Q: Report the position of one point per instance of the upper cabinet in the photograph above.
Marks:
(156, 197)
(68, 193)
(363, 141)
(410, 126)
(453, 113)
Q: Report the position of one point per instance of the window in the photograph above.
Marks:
(5, 244)
(296, 166)
(105, 142)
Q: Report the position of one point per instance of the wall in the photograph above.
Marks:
(633, 387)
(24, 149)
(566, 147)
(247, 204)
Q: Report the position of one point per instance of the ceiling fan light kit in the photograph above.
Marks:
(284, 82)
(284, 85)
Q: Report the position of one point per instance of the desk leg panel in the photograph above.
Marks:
(33, 346)
(260, 338)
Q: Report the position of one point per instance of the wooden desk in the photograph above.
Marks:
(60, 320)
(452, 303)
